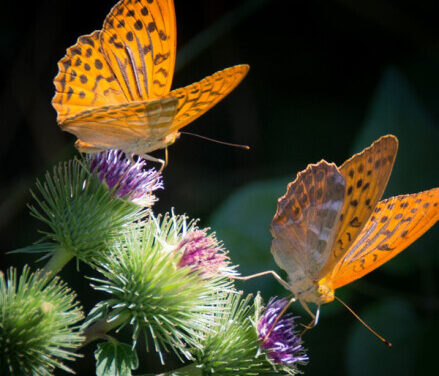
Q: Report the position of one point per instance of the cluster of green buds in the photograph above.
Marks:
(164, 279)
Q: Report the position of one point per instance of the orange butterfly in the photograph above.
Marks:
(329, 228)
(112, 89)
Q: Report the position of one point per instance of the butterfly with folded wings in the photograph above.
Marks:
(113, 85)
(330, 227)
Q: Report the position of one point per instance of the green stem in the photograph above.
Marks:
(58, 260)
(189, 370)
(100, 328)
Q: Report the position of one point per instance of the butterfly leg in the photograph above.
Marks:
(157, 160)
(272, 272)
(315, 317)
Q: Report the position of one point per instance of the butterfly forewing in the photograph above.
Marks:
(194, 100)
(366, 175)
(135, 127)
(306, 219)
(394, 225)
(84, 80)
(139, 41)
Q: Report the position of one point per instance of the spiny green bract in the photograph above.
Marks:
(38, 324)
(172, 305)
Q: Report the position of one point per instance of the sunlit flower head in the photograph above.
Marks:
(126, 177)
(148, 290)
(278, 338)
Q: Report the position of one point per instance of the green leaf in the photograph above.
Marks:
(115, 359)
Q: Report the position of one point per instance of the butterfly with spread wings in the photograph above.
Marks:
(330, 227)
(113, 86)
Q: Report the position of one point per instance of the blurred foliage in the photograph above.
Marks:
(365, 356)
(319, 87)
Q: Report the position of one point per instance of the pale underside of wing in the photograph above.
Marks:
(395, 224)
(194, 100)
(306, 219)
(139, 40)
(137, 128)
(366, 175)
(84, 79)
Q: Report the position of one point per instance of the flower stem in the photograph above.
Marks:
(100, 328)
(57, 261)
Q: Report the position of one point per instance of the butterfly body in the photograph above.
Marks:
(330, 228)
(113, 85)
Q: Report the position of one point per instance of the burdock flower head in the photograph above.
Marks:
(39, 324)
(233, 345)
(204, 253)
(127, 179)
(171, 303)
(277, 335)
(88, 203)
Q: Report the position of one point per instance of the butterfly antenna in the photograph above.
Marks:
(292, 300)
(245, 147)
(389, 344)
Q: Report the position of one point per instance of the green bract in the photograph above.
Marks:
(38, 324)
(172, 305)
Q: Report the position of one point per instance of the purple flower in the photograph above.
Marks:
(127, 178)
(280, 342)
(203, 252)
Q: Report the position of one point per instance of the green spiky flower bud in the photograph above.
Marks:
(83, 213)
(170, 302)
(38, 324)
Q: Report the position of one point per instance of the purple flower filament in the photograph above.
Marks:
(126, 178)
(201, 252)
(277, 335)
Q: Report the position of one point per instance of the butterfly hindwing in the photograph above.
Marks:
(305, 223)
(395, 224)
(366, 175)
(84, 79)
(139, 40)
(134, 127)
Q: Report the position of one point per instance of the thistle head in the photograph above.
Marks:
(38, 324)
(82, 214)
(233, 346)
(147, 288)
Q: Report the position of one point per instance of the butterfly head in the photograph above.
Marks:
(317, 292)
(325, 292)
(171, 138)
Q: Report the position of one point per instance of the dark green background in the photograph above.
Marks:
(327, 78)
